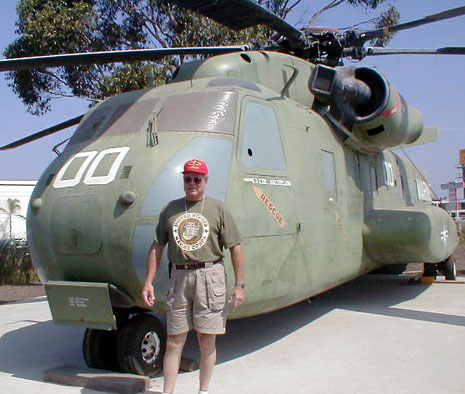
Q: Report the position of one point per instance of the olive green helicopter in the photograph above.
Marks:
(300, 150)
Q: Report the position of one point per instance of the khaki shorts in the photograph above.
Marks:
(197, 300)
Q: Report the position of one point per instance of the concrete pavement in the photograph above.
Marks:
(376, 334)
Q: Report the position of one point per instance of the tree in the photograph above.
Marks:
(65, 26)
(11, 211)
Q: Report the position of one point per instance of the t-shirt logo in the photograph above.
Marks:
(191, 231)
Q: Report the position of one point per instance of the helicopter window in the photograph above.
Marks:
(129, 117)
(234, 82)
(423, 192)
(213, 111)
(329, 175)
(261, 145)
(87, 128)
(389, 174)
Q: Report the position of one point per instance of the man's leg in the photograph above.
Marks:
(207, 345)
(174, 346)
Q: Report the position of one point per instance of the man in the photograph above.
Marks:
(196, 229)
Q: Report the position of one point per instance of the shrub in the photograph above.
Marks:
(15, 263)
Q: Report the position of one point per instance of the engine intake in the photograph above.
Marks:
(367, 105)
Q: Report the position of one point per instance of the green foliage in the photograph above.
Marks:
(70, 26)
(390, 17)
(368, 4)
(15, 263)
(49, 27)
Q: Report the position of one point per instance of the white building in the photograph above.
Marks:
(19, 193)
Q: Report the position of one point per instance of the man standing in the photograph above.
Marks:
(196, 228)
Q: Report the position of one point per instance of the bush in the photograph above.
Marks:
(15, 263)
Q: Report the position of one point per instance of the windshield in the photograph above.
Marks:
(210, 111)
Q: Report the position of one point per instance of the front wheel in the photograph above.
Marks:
(99, 348)
(141, 345)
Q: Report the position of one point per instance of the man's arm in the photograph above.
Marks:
(153, 263)
(238, 261)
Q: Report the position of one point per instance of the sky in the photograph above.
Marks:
(434, 84)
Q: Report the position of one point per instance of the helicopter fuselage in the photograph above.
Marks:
(314, 212)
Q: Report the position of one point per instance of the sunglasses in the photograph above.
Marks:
(196, 179)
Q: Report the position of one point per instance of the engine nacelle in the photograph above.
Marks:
(372, 111)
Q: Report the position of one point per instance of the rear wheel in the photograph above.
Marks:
(141, 345)
(449, 269)
(100, 349)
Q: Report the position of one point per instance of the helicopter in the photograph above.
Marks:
(301, 150)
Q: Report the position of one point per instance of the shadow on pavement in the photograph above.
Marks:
(374, 294)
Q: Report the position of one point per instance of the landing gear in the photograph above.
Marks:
(99, 348)
(449, 269)
(137, 347)
(430, 270)
(141, 345)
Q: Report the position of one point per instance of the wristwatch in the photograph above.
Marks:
(240, 284)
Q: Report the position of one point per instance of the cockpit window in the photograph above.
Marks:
(129, 118)
(261, 139)
(213, 111)
(89, 126)
(126, 118)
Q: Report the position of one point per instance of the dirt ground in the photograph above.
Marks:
(20, 292)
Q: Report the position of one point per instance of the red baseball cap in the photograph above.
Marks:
(197, 166)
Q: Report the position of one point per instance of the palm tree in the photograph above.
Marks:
(14, 207)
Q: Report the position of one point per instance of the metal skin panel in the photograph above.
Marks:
(413, 235)
(80, 303)
(273, 70)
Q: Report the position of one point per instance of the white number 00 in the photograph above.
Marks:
(91, 178)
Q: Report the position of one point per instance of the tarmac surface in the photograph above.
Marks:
(376, 334)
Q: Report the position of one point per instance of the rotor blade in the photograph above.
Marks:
(43, 133)
(375, 51)
(80, 59)
(241, 14)
(378, 33)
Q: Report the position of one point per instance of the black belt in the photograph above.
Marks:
(195, 265)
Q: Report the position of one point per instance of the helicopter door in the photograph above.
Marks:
(262, 201)
(263, 170)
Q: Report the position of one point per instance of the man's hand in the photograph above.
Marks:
(238, 297)
(238, 261)
(148, 295)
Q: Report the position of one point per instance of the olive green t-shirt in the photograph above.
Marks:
(196, 230)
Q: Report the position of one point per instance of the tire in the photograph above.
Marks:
(449, 270)
(100, 349)
(141, 345)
